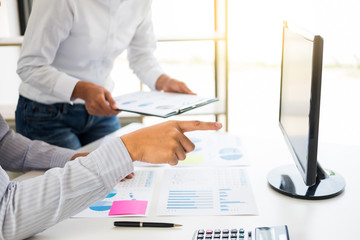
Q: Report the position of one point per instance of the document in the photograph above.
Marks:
(206, 191)
(135, 194)
(161, 104)
(212, 148)
(216, 148)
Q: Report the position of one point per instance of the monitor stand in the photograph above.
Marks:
(287, 180)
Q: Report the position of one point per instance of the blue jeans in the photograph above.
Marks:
(61, 124)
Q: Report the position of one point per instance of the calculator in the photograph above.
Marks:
(229, 234)
(261, 233)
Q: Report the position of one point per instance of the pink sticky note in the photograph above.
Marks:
(128, 207)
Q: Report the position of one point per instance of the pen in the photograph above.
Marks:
(144, 224)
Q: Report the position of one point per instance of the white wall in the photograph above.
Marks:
(9, 23)
(9, 27)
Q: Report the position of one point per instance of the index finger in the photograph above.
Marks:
(187, 126)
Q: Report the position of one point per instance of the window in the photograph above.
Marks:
(255, 29)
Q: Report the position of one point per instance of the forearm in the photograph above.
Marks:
(22, 154)
(33, 205)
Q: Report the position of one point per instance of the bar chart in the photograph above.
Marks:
(206, 191)
(190, 199)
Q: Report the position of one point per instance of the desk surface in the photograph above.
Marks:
(322, 219)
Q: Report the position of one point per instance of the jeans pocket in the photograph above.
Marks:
(38, 112)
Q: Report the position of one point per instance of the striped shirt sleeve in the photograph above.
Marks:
(31, 206)
(18, 153)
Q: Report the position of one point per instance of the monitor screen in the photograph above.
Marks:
(299, 111)
(300, 98)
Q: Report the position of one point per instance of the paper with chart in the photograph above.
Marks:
(161, 104)
(139, 188)
(215, 148)
(206, 191)
(211, 149)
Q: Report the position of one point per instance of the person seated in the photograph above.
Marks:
(68, 187)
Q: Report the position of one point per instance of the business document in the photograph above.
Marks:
(206, 191)
(160, 104)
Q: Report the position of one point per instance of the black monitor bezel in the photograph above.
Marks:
(309, 174)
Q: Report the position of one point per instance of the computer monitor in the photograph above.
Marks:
(300, 91)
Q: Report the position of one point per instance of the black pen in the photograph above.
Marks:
(144, 224)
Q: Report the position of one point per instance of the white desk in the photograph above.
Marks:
(334, 218)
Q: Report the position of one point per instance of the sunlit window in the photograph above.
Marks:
(254, 38)
(255, 33)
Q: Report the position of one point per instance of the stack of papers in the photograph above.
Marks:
(212, 180)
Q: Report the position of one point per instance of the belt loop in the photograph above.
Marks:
(65, 108)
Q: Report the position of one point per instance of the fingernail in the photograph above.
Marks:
(219, 125)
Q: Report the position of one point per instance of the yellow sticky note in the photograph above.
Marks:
(193, 158)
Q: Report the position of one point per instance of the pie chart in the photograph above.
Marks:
(111, 194)
(101, 206)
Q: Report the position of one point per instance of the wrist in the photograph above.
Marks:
(79, 155)
(80, 90)
(162, 81)
(129, 147)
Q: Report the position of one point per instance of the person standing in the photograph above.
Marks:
(68, 52)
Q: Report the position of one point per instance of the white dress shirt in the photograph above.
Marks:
(31, 206)
(71, 40)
